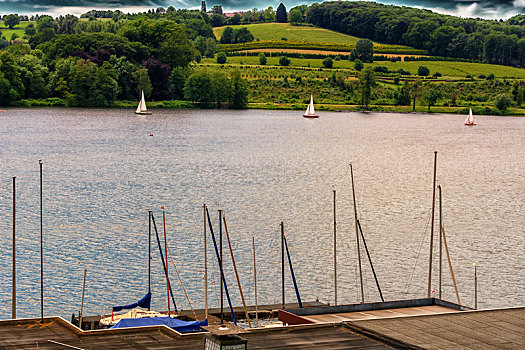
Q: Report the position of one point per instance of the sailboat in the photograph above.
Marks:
(310, 111)
(470, 118)
(141, 108)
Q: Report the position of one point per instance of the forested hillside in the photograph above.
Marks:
(488, 41)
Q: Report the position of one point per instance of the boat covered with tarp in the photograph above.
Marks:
(174, 323)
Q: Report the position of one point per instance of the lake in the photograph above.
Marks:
(103, 172)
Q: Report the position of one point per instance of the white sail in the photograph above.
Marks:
(470, 118)
(142, 105)
(310, 110)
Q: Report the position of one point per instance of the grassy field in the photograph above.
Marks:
(18, 29)
(277, 31)
(447, 69)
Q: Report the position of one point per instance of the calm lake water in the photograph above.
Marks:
(102, 172)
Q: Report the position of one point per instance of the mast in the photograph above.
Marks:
(282, 262)
(440, 240)
(255, 283)
(335, 255)
(13, 292)
(236, 273)
(205, 266)
(166, 253)
(432, 228)
(221, 266)
(357, 236)
(149, 251)
(41, 250)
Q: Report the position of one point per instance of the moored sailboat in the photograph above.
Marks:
(470, 118)
(310, 111)
(141, 108)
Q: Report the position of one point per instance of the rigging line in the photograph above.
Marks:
(418, 254)
(370, 259)
(182, 285)
(292, 273)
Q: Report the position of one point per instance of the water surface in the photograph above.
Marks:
(102, 172)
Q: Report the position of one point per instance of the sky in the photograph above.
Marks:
(491, 9)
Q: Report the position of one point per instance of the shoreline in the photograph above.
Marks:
(340, 108)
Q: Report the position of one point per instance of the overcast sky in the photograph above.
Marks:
(493, 9)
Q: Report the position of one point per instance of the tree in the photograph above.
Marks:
(502, 101)
(222, 88)
(423, 71)
(239, 91)
(269, 14)
(364, 50)
(177, 79)
(199, 88)
(66, 24)
(367, 79)
(284, 61)
(211, 47)
(227, 36)
(175, 49)
(402, 95)
(158, 73)
(432, 95)
(296, 16)
(217, 20)
(358, 65)
(30, 29)
(221, 58)
(217, 9)
(280, 14)
(262, 59)
(414, 90)
(328, 62)
(142, 82)
(242, 35)
(11, 86)
(11, 20)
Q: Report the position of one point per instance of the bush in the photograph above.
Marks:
(380, 69)
(423, 71)
(284, 61)
(328, 62)
(436, 75)
(404, 72)
(358, 65)
(481, 76)
(396, 80)
(490, 76)
(221, 58)
(262, 59)
(502, 101)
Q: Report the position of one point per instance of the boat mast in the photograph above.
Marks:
(149, 251)
(440, 241)
(432, 227)
(13, 292)
(282, 261)
(335, 255)
(205, 266)
(357, 236)
(255, 283)
(221, 266)
(41, 249)
(166, 253)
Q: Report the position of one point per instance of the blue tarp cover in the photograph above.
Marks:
(144, 303)
(176, 324)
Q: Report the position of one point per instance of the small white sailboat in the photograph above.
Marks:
(141, 108)
(310, 111)
(470, 118)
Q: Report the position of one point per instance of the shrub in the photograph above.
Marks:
(481, 76)
(262, 59)
(380, 69)
(502, 101)
(358, 64)
(396, 80)
(284, 61)
(221, 58)
(404, 72)
(490, 76)
(423, 71)
(328, 62)
(436, 75)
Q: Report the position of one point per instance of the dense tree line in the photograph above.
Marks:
(95, 63)
(489, 41)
